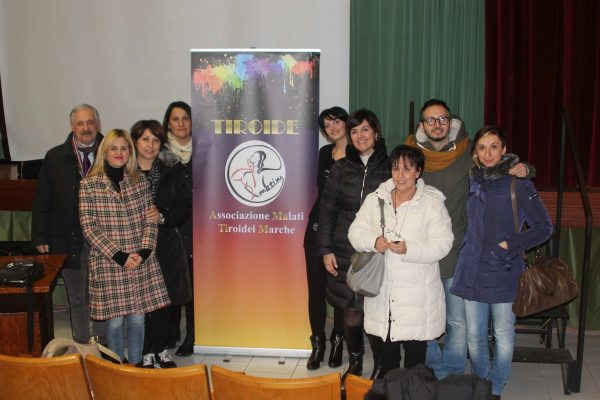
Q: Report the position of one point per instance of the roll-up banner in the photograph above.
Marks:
(255, 146)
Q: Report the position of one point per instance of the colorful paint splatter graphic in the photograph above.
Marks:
(244, 67)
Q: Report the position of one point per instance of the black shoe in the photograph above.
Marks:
(148, 361)
(355, 366)
(164, 360)
(318, 351)
(337, 350)
(187, 347)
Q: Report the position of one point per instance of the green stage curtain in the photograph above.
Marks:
(403, 50)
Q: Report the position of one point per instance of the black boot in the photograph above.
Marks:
(318, 351)
(337, 350)
(377, 348)
(356, 349)
(187, 347)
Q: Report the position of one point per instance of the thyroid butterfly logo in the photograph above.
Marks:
(255, 173)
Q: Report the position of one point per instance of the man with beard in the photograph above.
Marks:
(447, 149)
(55, 224)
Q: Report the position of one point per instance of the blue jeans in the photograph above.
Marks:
(454, 357)
(135, 336)
(503, 324)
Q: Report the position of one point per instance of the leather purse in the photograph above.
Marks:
(545, 284)
(365, 275)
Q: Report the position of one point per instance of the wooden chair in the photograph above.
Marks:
(114, 381)
(229, 385)
(357, 387)
(43, 378)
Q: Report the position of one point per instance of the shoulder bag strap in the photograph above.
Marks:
(381, 204)
(513, 199)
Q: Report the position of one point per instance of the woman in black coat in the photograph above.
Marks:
(177, 124)
(332, 123)
(171, 212)
(351, 179)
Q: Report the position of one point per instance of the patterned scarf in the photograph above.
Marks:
(182, 152)
(153, 176)
(84, 163)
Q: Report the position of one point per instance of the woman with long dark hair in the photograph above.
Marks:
(177, 153)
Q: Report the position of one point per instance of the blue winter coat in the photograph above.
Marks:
(486, 272)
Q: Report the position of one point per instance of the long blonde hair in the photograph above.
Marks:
(109, 138)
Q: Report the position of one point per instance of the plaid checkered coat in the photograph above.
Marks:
(112, 222)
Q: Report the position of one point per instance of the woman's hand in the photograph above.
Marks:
(520, 170)
(330, 263)
(381, 244)
(398, 247)
(503, 244)
(133, 261)
(152, 214)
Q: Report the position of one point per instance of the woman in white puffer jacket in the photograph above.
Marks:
(410, 308)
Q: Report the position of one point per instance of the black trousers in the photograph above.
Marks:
(156, 330)
(414, 353)
(316, 275)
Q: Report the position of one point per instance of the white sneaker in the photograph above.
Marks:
(148, 361)
(164, 360)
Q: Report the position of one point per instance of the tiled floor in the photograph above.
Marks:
(527, 381)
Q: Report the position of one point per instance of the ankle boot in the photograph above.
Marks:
(318, 351)
(337, 350)
(355, 365)
(377, 348)
(356, 349)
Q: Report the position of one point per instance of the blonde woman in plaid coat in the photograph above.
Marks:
(125, 280)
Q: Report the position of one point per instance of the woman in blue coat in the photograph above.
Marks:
(490, 259)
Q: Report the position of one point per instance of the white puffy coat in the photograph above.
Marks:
(412, 291)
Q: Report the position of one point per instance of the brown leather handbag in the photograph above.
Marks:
(546, 284)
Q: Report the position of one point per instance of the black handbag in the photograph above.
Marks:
(21, 273)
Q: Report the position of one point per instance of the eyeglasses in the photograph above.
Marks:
(442, 119)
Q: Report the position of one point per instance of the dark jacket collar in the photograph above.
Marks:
(379, 153)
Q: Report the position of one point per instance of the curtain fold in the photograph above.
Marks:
(403, 50)
(539, 56)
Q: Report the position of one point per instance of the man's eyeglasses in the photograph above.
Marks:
(442, 119)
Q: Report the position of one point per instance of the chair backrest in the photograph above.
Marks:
(114, 381)
(357, 387)
(43, 378)
(229, 385)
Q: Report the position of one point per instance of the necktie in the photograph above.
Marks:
(85, 163)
